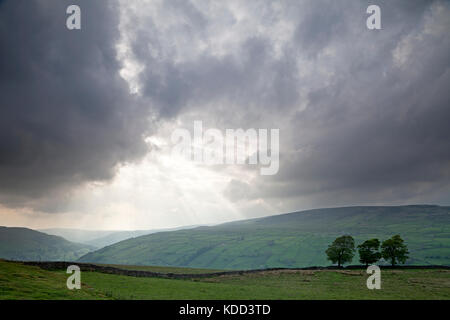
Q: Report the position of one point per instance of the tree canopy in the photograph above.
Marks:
(369, 251)
(394, 250)
(341, 250)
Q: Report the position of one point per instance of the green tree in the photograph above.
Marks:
(341, 250)
(369, 251)
(394, 250)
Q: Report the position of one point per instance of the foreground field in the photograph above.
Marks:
(159, 269)
(19, 281)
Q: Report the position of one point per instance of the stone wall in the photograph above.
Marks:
(59, 265)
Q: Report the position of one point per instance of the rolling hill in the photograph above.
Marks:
(78, 235)
(296, 239)
(102, 238)
(26, 244)
(118, 236)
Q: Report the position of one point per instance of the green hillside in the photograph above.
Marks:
(78, 235)
(102, 238)
(95, 238)
(27, 244)
(118, 236)
(296, 239)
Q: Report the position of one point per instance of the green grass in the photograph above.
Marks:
(159, 269)
(18, 281)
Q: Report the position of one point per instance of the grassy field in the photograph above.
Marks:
(159, 269)
(18, 281)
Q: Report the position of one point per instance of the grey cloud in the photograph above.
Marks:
(374, 131)
(253, 79)
(362, 114)
(66, 115)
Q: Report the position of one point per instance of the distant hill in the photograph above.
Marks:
(296, 239)
(27, 244)
(78, 235)
(102, 238)
(117, 236)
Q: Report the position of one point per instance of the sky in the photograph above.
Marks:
(87, 115)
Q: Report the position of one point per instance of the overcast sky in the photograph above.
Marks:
(87, 115)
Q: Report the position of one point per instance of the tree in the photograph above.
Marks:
(369, 251)
(394, 250)
(341, 250)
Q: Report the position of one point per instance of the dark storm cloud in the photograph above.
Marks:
(380, 126)
(66, 115)
(363, 115)
(178, 77)
(376, 123)
(373, 121)
(251, 79)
